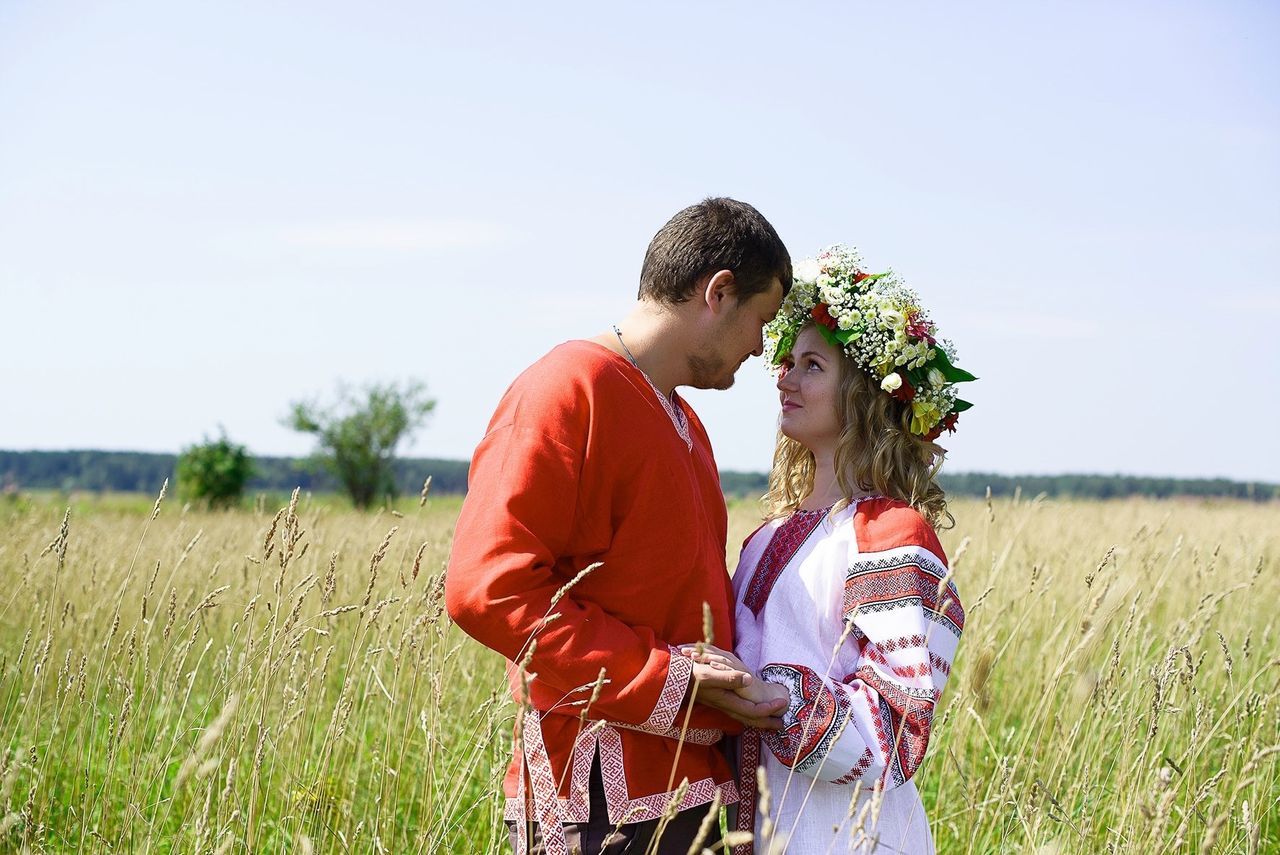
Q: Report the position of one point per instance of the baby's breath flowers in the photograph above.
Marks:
(879, 322)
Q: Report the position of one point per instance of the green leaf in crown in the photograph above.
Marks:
(786, 341)
(830, 336)
(847, 336)
(943, 364)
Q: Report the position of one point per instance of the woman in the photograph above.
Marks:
(844, 601)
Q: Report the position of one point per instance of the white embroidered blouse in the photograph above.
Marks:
(854, 612)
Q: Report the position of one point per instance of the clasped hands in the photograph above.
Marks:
(726, 684)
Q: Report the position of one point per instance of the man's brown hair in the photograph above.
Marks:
(715, 234)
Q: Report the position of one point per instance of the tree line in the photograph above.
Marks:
(356, 439)
(128, 471)
(143, 472)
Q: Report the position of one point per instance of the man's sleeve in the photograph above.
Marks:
(501, 584)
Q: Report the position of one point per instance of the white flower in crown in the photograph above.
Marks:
(806, 271)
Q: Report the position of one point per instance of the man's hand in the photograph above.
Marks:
(712, 655)
(725, 684)
(717, 675)
(755, 690)
(759, 715)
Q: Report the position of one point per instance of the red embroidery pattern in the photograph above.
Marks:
(673, 691)
(621, 807)
(910, 672)
(859, 769)
(910, 715)
(813, 721)
(692, 735)
(784, 544)
(905, 642)
(890, 580)
(883, 725)
(546, 804)
(674, 412)
(748, 762)
(875, 652)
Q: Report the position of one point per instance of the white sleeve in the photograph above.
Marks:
(873, 724)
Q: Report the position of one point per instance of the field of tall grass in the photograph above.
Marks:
(284, 679)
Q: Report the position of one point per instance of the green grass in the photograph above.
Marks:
(1094, 706)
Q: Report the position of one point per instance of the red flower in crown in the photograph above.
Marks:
(949, 424)
(822, 315)
(858, 276)
(905, 393)
(917, 328)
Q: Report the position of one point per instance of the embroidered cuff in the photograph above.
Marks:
(679, 672)
(814, 720)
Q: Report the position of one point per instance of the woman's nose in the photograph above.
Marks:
(785, 383)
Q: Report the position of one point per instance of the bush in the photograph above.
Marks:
(214, 472)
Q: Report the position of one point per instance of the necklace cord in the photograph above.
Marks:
(625, 349)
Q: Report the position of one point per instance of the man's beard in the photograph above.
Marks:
(710, 371)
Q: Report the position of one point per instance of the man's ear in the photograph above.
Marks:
(720, 288)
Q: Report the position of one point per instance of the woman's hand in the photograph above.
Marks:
(712, 655)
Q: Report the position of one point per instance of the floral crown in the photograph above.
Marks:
(879, 323)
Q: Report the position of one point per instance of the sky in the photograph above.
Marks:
(208, 211)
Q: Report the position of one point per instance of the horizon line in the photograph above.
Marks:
(455, 460)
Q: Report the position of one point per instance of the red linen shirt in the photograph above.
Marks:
(582, 464)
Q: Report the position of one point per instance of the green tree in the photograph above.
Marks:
(215, 471)
(358, 436)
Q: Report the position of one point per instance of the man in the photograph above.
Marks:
(592, 541)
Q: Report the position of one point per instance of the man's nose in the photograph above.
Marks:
(758, 350)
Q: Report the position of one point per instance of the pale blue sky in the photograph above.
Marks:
(209, 210)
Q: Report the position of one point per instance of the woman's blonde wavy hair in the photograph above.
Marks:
(876, 453)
